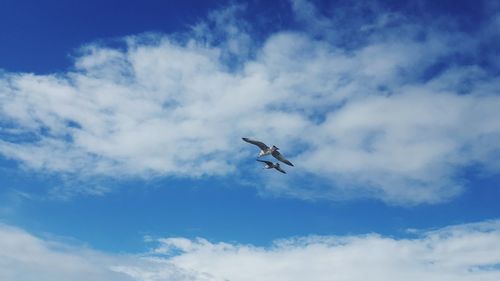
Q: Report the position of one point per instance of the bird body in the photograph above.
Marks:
(266, 150)
(271, 165)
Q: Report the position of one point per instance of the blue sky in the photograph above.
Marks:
(121, 155)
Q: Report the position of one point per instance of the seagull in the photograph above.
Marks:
(270, 165)
(266, 150)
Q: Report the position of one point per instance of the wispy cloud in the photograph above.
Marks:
(462, 252)
(26, 257)
(395, 116)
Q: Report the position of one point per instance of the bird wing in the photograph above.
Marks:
(267, 162)
(280, 157)
(279, 169)
(260, 144)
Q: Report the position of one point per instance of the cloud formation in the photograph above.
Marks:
(462, 252)
(395, 116)
(25, 257)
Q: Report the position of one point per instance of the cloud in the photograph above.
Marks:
(26, 257)
(395, 116)
(462, 252)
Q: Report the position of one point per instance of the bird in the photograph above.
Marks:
(266, 150)
(270, 165)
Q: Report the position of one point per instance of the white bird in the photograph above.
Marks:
(271, 165)
(266, 150)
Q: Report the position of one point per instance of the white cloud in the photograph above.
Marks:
(26, 257)
(463, 252)
(363, 117)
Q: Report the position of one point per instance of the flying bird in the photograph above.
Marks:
(271, 165)
(266, 150)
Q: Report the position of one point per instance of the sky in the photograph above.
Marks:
(121, 155)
